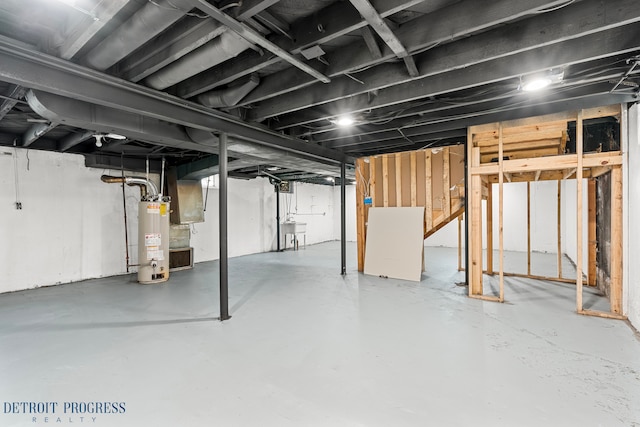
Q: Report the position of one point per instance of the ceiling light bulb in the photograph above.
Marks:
(330, 179)
(536, 84)
(344, 121)
(98, 140)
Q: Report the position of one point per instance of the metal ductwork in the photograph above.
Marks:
(228, 45)
(152, 19)
(146, 186)
(263, 155)
(228, 97)
(105, 119)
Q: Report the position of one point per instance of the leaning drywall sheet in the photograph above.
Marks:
(395, 243)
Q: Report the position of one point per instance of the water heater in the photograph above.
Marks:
(153, 241)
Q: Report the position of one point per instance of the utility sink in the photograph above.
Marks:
(291, 227)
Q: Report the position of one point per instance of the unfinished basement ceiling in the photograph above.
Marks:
(276, 75)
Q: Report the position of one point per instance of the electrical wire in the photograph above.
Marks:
(16, 178)
(365, 182)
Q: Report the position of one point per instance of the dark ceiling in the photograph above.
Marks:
(172, 75)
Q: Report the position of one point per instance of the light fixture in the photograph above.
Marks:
(101, 136)
(115, 136)
(539, 81)
(330, 179)
(273, 168)
(344, 121)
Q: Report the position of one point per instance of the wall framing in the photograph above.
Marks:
(535, 147)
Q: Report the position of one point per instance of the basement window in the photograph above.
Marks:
(212, 181)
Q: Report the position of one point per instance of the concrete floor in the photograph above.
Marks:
(307, 347)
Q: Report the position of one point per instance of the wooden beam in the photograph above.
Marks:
(530, 134)
(506, 175)
(360, 208)
(579, 141)
(602, 314)
(598, 171)
(590, 113)
(537, 175)
(414, 180)
(371, 42)
(544, 175)
(565, 161)
(521, 154)
(486, 298)
(522, 145)
(475, 222)
(398, 168)
(591, 233)
(559, 228)
(446, 182)
(535, 277)
(568, 173)
(615, 291)
(428, 192)
(385, 181)
(371, 15)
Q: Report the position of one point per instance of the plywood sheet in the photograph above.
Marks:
(394, 243)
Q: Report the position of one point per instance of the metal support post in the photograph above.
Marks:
(343, 218)
(224, 257)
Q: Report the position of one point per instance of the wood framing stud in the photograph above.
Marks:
(579, 141)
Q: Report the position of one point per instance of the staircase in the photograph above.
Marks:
(432, 178)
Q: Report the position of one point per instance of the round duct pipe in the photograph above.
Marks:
(228, 97)
(152, 19)
(228, 45)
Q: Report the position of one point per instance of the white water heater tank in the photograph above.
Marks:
(153, 241)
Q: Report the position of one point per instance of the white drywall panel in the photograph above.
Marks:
(394, 246)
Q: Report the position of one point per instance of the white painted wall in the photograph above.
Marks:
(70, 227)
(252, 217)
(632, 268)
(350, 213)
(570, 223)
(543, 219)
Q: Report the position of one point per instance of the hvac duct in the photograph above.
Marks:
(228, 97)
(152, 19)
(153, 230)
(228, 45)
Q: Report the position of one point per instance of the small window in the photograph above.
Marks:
(212, 181)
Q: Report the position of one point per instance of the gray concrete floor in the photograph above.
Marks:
(307, 347)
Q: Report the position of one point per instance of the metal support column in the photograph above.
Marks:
(277, 184)
(224, 256)
(343, 218)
